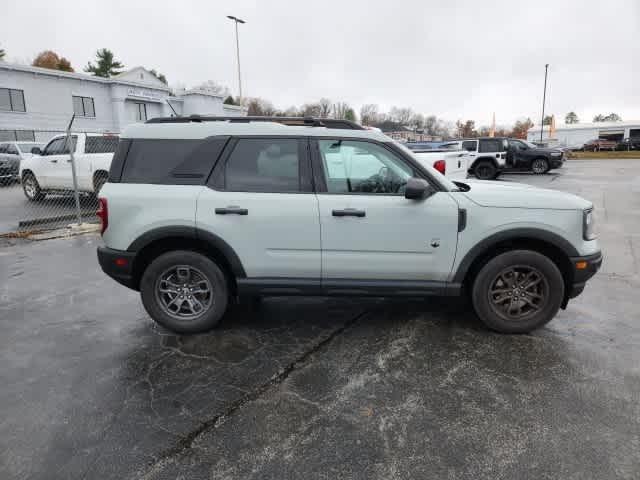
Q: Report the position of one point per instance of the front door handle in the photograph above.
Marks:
(53, 161)
(232, 210)
(348, 212)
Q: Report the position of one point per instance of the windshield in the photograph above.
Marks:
(436, 175)
(26, 147)
(529, 144)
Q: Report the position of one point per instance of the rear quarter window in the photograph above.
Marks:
(490, 146)
(101, 144)
(167, 162)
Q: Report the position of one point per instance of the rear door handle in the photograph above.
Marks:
(233, 210)
(348, 212)
(53, 161)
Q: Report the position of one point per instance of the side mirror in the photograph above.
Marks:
(417, 189)
(36, 151)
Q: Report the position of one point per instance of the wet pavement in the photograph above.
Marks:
(322, 388)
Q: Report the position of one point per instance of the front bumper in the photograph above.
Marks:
(557, 162)
(583, 269)
(118, 265)
(8, 172)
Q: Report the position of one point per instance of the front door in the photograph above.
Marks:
(370, 231)
(260, 201)
(56, 164)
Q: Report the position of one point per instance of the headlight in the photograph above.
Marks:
(556, 154)
(588, 225)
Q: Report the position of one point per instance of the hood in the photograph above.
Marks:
(490, 193)
(546, 150)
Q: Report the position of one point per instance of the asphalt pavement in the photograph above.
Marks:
(19, 214)
(322, 388)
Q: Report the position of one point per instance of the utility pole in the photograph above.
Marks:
(237, 21)
(544, 97)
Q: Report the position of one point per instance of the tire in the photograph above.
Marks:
(31, 188)
(540, 166)
(163, 291)
(485, 170)
(493, 291)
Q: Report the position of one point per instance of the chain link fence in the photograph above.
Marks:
(39, 189)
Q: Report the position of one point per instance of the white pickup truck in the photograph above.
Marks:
(49, 169)
(453, 164)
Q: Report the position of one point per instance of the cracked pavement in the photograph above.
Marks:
(322, 388)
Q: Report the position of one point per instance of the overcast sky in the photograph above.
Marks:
(454, 59)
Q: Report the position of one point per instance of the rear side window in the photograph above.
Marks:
(169, 162)
(488, 146)
(264, 165)
(469, 145)
(101, 144)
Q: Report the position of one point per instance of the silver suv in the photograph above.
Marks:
(200, 211)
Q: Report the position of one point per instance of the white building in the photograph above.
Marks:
(575, 135)
(35, 100)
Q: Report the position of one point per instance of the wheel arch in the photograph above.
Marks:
(550, 244)
(161, 240)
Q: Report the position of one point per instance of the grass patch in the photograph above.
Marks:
(605, 155)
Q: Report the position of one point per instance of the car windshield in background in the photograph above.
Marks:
(26, 147)
(101, 144)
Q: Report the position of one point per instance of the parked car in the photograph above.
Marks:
(198, 214)
(526, 156)
(49, 170)
(599, 144)
(11, 154)
(487, 156)
(632, 143)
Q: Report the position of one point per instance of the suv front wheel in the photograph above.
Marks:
(184, 291)
(517, 291)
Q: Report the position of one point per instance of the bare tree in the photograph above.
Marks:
(340, 110)
(401, 115)
(417, 121)
(369, 114)
(258, 107)
(310, 110)
(325, 107)
(213, 88)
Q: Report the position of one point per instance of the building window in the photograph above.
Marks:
(17, 135)
(141, 112)
(12, 100)
(83, 107)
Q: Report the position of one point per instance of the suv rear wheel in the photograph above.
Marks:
(517, 291)
(184, 291)
(485, 170)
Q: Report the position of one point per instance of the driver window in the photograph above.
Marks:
(362, 167)
(59, 146)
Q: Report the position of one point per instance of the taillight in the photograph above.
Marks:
(103, 214)
(441, 166)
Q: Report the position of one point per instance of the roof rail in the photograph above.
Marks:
(290, 121)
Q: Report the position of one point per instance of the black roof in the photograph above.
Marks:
(292, 121)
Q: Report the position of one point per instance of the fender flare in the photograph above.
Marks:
(491, 241)
(192, 233)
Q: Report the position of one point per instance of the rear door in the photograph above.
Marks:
(260, 201)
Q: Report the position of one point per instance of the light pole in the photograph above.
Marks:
(237, 21)
(544, 97)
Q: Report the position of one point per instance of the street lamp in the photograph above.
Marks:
(544, 97)
(237, 21)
